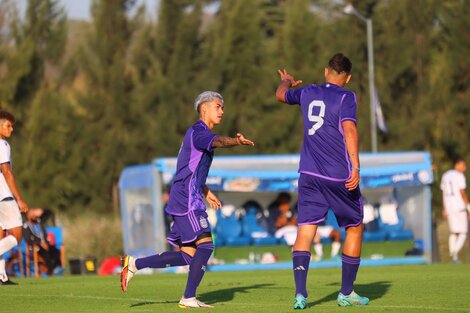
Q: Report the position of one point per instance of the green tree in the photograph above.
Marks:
(31, 61)
(51, 159)
(40, 39)
(236, 66)
(404, 67)
(105, 103)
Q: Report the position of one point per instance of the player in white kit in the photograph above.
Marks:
(454, 206)
(11, 203)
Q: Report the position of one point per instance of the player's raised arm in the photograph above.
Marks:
(287, 81)
(228, 142)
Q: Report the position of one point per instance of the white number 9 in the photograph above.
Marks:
(317, 119)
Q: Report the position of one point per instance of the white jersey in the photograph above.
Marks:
(452, 183)
(5, 157)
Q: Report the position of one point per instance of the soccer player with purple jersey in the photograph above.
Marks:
(191, 231)
(329, 172)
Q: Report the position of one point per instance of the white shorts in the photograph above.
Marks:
(10, 216)
(324, 231)
(289, 233)
(458, 222)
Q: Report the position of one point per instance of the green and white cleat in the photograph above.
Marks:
(351, 300)
(192, 303)
(300, 302)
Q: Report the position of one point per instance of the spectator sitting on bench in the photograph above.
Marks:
(34, 233)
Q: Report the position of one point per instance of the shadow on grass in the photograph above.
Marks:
(224, 295)
(372, 291)
(221, 295)
(152, 302)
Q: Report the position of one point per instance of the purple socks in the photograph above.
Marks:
(197, 268)
(349, 272)
(165, 259)
(300, 262)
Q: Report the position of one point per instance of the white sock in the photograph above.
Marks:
(7, 244)
(318, 247)
(3, 273)
(459, 242)
(335, 246)
(452, 242)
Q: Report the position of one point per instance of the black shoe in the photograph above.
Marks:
(8, 283)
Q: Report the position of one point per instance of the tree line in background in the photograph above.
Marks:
(92, 97)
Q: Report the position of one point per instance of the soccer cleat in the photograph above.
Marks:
(300, 302)
(352, 300)
(187, 303)
(8, 282)
(128, 271)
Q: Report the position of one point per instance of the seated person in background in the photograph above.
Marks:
(388, 210)
(370, 218)
(282, 219)
(280, 213)
(34, 233)
(325, 231)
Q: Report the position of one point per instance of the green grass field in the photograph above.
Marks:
(386, 249)
(420, 288)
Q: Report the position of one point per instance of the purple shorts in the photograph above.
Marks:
(187, 228)
(317, 195)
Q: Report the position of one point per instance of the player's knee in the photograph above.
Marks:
(205, 242)
(355, 230)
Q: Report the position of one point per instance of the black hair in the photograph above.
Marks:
(340, 63)
(458, 160)
(4, 115)
(284, 196)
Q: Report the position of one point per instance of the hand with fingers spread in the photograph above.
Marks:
(243, 141)
(288, 77)
(287, 81)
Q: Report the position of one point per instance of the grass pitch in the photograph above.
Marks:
(410, 288)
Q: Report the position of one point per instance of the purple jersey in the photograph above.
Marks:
(194, 160)
(324, 107)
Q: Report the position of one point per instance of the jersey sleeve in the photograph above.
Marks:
(4, 152)
(202, 139)
(349, 107)
(462, 183)
(292, 96)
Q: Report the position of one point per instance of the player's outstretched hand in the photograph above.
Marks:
(286, 76)
(353, 182)
(243, 141)
(213, 201)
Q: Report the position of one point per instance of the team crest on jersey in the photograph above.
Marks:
(203, 222)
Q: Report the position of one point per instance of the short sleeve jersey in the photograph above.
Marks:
(324, 108)
(5, 157)
(452, 183)
(192, 167)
